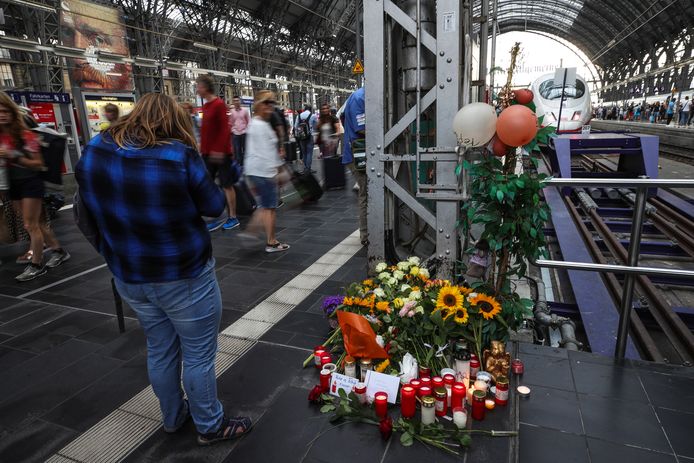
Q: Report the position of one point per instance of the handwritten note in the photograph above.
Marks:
(338, 381)
(377, 382)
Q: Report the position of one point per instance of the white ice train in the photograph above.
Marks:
(576, 111)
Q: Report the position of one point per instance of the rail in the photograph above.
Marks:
(641, 184)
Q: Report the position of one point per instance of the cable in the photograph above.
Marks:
(636, 29)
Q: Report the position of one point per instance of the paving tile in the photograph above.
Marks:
(669, 391)
(565, 447)
(579, 356)
(43, 366)
(34, 319)
(92, 404)
(547, 372)
(76, 323)
(364, 443)
(679, 427)
(527, 348)
(288, 409)
(38, 399)
(305, 341)
(34, 443)
(552, 408)
(276, 336)
(608, 381)
(608, 452)
(623, 422)
(306, 323)
(126, 346)
(18, 309)
(107, 331)
(10, 358)
(37, 341)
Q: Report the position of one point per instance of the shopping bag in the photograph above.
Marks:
(358, 336)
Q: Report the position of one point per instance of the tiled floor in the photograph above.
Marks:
(65, 367)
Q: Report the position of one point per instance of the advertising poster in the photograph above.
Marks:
(44, 113)
(95, 28)
(94, 107)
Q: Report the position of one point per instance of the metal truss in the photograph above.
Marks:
(385, 131)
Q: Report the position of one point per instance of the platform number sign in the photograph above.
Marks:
(358, 67)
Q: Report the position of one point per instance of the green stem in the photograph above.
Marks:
(327, 342)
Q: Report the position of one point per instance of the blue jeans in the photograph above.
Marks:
(684, 117)
(181, 321)
(239, 147)
(306, 147)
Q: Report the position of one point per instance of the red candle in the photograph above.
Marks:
(407, 401)
(458, 395)
(381, 403)
(441, 401)
(325, 380)
(416, 384)
(437, 382)
(318, 354)
(424, 391)
(517, 367)
(425, 382)
(325, 358)
(478, 410)
(448, 380)
(424, 372)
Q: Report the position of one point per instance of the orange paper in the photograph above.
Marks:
(359, 337)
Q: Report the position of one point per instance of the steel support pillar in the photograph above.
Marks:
(383, 137)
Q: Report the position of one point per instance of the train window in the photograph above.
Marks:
(549, 91)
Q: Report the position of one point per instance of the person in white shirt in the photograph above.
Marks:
(684, 112)
(261, 166)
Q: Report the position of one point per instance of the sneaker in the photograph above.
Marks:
(277, 247)
(231, 428)
(231, 223)
(31, 272)
(280, 204)
(57, 258)
(182, 421)
(215, 225)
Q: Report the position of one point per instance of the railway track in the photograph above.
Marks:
(660, 328)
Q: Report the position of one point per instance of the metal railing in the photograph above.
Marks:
(632, 268)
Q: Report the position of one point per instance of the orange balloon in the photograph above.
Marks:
(523, 95)
(517, 125)
(500, 148)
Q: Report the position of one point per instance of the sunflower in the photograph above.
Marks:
(446, 313)
(383, 306)
(368, 283)
(348, 301)
(461, 316)
(449, 298)
(487, 305)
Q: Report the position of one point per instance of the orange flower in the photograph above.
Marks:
(383, 306)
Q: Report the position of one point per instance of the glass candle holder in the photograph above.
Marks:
(460, 417)
(424, 391)
(381, 404)
(458, 395)
(428, 410)
(325, 380)
(478, 410)
(408, 401)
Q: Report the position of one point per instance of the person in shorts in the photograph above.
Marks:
(262, 163)
(215, 147)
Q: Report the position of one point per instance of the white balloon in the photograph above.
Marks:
(475, 124)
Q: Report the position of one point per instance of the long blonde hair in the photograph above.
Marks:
(17, 126)
(155, 120)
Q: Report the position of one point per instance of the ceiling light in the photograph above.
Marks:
(114, 74)
(205, 46)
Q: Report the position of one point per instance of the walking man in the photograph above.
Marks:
(239, 119)
(305, 125)
(215, 147)
(355, 134)
(684, 113)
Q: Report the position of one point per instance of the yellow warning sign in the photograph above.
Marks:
(358, 67)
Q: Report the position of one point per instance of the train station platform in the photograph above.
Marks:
(74, 389)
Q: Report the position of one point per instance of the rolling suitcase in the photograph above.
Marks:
(307, 186)
(245, 202)
(334, 172)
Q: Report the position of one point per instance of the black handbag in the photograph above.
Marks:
(85, 221)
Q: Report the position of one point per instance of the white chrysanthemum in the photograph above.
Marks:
(416, 295)
(378, 292)
(419, 309)
(392, 282)
(403, 266)
(414, 260)
(398, 275)
(405, 288)
(384, 276)
(381, 267)
(424, 273)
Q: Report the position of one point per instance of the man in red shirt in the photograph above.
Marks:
(215, 147)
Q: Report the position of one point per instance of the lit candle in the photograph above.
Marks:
(425, 382)
(481, 386)
(318, 354)
(407, 401)
(470, 390)
(416, 384)
(460, 417)
(424, 372)
(458, 395)
(325, 359)
(448, 381)
(437, 382)
(360, 392)
(478, 398)
(325, 379)
(424, 391)
(428, 410)
(381, 403)
(489, 404)
(441, 401)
